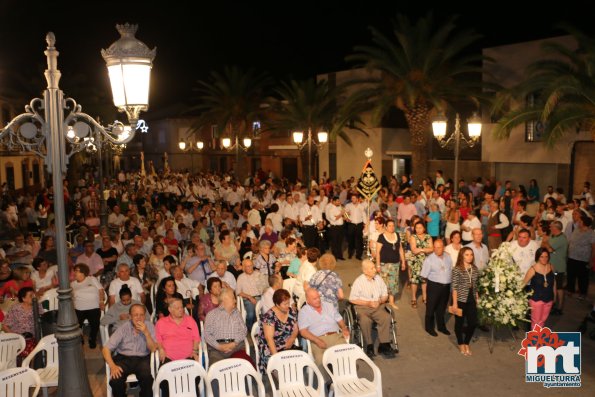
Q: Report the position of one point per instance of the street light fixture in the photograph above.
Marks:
(457, 140)
(227, 145)
(191, 146)
(298, 139)
(44, 129)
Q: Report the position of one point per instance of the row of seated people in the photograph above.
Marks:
(177, 335)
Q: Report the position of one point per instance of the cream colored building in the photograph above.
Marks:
(519, 158)
(21, 170)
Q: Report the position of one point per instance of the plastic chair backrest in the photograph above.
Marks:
(241, 308)
(288, 285)
(289, 366)
(343, 364)
(104, 333)
(11, 345)
(181, 378)
(203, 346)
(234, 377)
(51, 296)
(258, 310)
(254, 336)
(16, 382)
(49, 344)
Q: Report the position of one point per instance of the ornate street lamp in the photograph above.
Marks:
(44, 129)
(298, 139)
(457, 140)
(245, 145)
(191, 146)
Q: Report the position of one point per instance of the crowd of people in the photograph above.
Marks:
(179, 250)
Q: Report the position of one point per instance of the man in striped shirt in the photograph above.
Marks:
(369, 295)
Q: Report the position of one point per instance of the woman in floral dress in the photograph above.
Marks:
(327, 282)
(279, 328)
(421, 246)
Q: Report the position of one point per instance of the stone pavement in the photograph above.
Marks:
(433, 366)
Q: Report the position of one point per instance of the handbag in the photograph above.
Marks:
(457, 312)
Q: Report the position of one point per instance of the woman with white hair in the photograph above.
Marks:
(265, 262)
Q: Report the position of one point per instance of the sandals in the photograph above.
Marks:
(414, 304)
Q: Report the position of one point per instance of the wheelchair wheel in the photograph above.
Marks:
(393, 330)
(355, 334)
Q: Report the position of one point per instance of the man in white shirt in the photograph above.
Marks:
(124, 278)
(249, 288)
(523, 251)
(369, 294)
(227, 279)
(355, 227)
(116, 219)
(91, 259)
(334, 215)
(480, 250)
(310, 217)
(291, 210)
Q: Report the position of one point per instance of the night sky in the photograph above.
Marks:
(296, 39)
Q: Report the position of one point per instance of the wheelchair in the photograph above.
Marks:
(355, 333)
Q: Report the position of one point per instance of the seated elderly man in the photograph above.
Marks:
(321, 324)
(133, 343)
(227, 279)
(369, 295)
(177, 334)
(250, 286)
(124, 278)
(225, 329)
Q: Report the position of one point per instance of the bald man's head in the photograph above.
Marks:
(313, 298)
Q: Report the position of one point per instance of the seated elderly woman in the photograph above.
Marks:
(265, 262)
(225, 329)
(279, 328)
(327, 282)
(19, 319)
(211, 299)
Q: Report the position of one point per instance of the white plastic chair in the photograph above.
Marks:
(343, 372)
(11, 345)
(254, 336)
(203, 346)
(181, 378)
(288, 285)
(48, 374)
(51, 296)
(17, 382)
(289, 366)
(132, 377)
(241, 308)
(258, 310)
(234, 377)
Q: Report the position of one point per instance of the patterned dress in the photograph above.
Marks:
(282, 332)
(328, 284)
(417, 261)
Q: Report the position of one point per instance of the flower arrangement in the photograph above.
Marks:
(502, 297)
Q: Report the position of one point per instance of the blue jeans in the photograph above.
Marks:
(250, 313)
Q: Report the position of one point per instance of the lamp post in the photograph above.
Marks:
(246, 143)
(44, 129)
(191, 146)
(298, 139)
(456, 139)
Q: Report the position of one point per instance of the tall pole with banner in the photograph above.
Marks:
(368, 186)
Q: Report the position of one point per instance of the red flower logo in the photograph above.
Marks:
(540, 337)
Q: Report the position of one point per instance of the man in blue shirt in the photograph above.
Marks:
(437, 270)
(133, 342)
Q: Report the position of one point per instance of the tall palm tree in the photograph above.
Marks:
(316, 106)
(423, 66)
(563, 88)
(232, 99)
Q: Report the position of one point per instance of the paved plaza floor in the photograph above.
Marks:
(433, 366)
